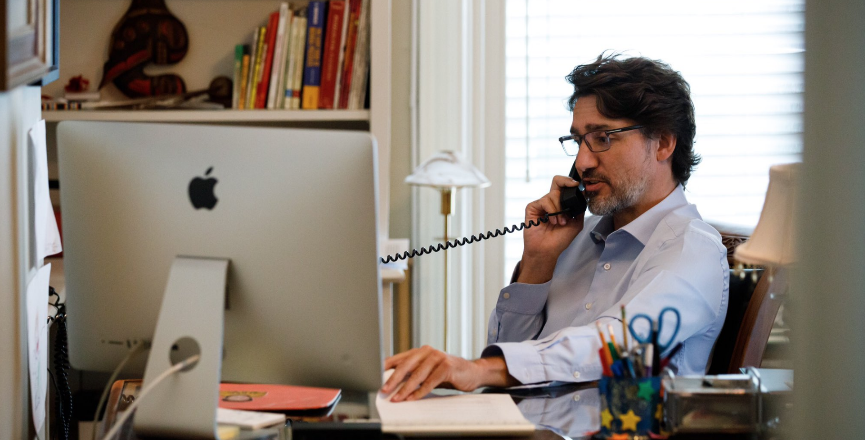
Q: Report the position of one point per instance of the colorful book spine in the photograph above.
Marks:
(292, 59)
(330, 56)
(278, 68)
(286, 57)
(256, 71)
(250, 77)
(361, 60)
(238, 62)
(312, 65)
(244, 78)
(298, 64)
(341, 60)
(350, 47)
(267, 61)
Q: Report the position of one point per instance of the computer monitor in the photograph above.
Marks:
(293, 210)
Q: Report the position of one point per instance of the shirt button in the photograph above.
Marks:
(506, 295)
(576, 374)
(576, 397)
(607, 266)
(588, 306)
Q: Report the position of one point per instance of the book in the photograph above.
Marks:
(238, 63)
(341, 60)
(244, 78)
(312, 63)
(330, 57)
(282, 398)
(360, 69)
(351, 45)
(267, 61)
(277, 73)
(297, 74)
(255, 65)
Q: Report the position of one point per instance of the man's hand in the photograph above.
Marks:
(543, 244)
(426, 368)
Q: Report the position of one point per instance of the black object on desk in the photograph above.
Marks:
(335, 430)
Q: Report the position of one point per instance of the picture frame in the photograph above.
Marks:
(28, 42)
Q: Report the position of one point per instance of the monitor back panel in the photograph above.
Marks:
(295, 215)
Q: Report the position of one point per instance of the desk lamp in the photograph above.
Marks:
(772, 244)
(447, 171)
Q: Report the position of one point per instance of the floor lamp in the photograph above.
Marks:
(447, 171)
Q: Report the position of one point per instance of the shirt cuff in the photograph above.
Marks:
(524, 299)
(523, 361)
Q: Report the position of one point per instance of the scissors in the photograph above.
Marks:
(655, 329)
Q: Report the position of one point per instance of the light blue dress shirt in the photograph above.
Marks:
(667, 257)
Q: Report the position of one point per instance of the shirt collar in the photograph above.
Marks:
(643, 226)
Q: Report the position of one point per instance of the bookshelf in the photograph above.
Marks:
(214, 28)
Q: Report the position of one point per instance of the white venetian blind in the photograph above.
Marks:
(744, 60)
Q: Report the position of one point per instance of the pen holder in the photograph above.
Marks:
(630, 406)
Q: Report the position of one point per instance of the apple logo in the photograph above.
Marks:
(201, 191)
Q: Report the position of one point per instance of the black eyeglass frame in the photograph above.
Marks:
(578, 139)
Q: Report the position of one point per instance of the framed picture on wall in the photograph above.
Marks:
(28, 41)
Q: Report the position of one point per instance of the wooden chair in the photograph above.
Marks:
(758, 320)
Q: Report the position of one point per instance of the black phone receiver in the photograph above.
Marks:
(572, 199)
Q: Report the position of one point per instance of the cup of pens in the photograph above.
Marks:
(630, 389)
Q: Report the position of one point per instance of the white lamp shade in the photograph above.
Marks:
(772, 243)
(447, 169)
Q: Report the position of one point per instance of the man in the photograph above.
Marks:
(645, 248)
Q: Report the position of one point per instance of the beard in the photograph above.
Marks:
(623, 194)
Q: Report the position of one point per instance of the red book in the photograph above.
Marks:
(348, 63)
(330, 58)
(270, 43)
(260, 397)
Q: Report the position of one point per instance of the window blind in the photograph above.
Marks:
(744, 60)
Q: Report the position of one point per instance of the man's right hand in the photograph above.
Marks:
(543, 244)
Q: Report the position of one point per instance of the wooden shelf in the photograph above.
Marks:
(205, 115)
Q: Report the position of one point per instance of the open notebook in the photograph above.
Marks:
(461, 414)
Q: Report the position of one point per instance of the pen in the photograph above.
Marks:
(670, 355)
(656, 349)
(648, 356)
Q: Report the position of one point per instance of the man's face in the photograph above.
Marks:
(618, 178)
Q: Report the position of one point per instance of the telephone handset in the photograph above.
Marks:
(572, 202)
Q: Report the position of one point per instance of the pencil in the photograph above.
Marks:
(624, 328)
(604, 345)
(613, 339)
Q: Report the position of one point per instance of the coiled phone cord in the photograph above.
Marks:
(61, 367)
(469, 240)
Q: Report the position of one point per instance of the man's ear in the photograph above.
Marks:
(666, 146)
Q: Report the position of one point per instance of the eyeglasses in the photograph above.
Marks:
(597, 141)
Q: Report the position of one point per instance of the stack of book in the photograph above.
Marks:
(314, 57)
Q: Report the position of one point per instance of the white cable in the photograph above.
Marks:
(129, 410)
(139, 347)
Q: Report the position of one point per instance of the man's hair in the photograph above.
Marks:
(648, 92)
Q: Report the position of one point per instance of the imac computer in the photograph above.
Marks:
(291, 215)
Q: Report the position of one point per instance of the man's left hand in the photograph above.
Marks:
(426, 368)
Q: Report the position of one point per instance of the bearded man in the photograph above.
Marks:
(645, 248)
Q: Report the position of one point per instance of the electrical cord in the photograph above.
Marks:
(469, 240)
(144, 391)
(139, 347)
(61, 366)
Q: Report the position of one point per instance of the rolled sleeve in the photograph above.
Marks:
(519, 313)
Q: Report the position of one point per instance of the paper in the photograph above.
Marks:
(45, 225)
(248, 419)
(476, 414)
(37, 342)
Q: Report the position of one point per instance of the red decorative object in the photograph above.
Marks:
(147, 33)
(77, 84)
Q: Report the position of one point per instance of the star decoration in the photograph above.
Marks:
(646, 390)
(606, 418)
(630, 420)
(659, 414)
